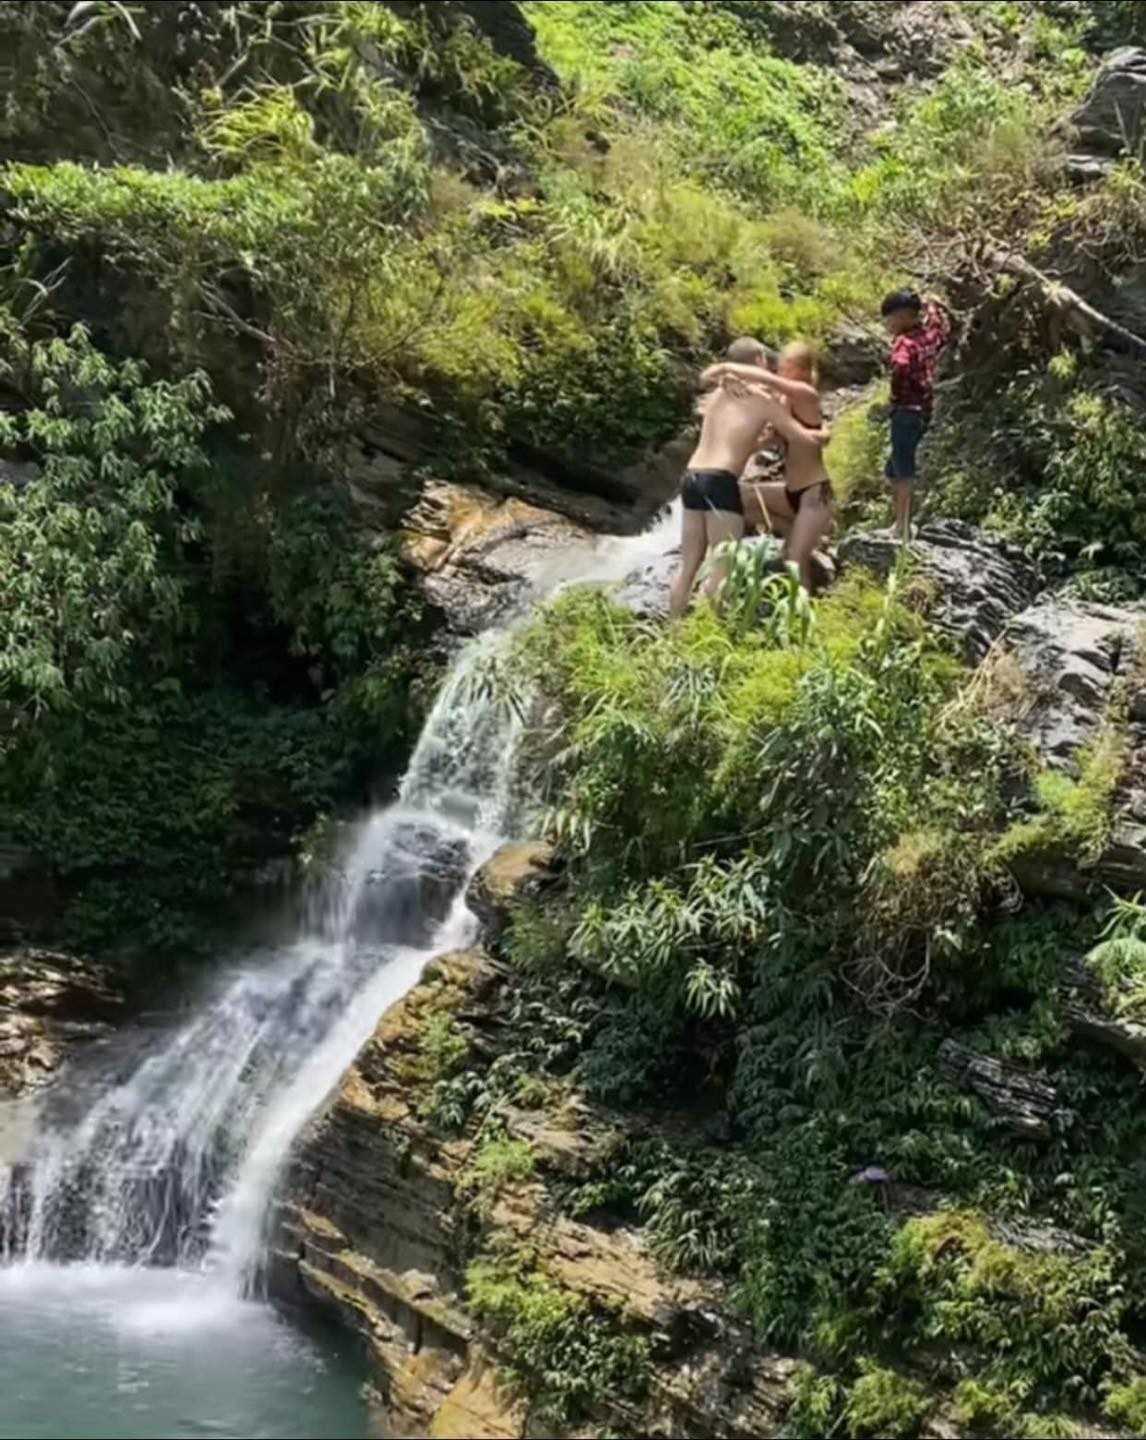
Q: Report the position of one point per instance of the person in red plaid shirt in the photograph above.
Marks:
(920, 333)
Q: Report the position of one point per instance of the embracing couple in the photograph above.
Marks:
(751, 407)
(753, 401)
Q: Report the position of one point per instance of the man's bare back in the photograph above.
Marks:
(733, 420)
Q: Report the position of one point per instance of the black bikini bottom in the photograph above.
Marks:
(822, 490)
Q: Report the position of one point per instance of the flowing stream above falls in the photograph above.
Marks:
(133, 1221)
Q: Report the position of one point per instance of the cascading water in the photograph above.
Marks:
(174, 1162)
(173, 1157)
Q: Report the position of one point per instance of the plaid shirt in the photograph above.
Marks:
(915, 360)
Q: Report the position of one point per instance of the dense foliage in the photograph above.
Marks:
(152, 745)
(788, 857)
(235, 239)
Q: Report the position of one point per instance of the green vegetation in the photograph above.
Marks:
(137, 759)
(794, 955)
(692, 176)
(496, 1161)
(857, 453)
(693, 862)
(237, 242)
(1126, 1406)
(442, 1048)
(1051, 470)
(1077, 815)
(563, 1356)
(1119, 960)
(883, 1403)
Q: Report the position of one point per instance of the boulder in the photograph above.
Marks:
(646, 591)
(1082, 665)
(1110, 120)
(477, 554)
(387, 458)
(854, 355)
(409, 891)
(978, 583)
(515, 873)
(1091, 1017)
(1072, 654)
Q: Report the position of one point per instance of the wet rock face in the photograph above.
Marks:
(646, 591)
(979, 584)
(476, 553)
(516, 872)
(412, 890)
(49, 1003)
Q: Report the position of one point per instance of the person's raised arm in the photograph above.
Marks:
(939, 323)
(798, 390)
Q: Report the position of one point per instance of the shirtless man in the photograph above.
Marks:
(733, 417)
(800, 506)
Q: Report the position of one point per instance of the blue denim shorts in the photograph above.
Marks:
(908, 428)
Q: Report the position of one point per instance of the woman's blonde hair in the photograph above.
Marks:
(803, 357)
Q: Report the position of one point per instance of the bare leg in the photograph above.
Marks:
(903, 489)
(693, 544)
(720, 527)
(812, 523)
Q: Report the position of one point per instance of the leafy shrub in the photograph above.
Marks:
(668, 742)
(695, 1203)
(442, 1047)
(744, 118)
(815, 1404)
(1115, 22)
(857, 452)
(1126, 1405)
(884, 1403)
(1119, 960)
(1041, 1319)
(497, 1161)
(973, 149)
(1051, 472)
(90, 551)
(141, 771)
(151, 811)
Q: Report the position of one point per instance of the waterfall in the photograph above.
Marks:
(174, 1153)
